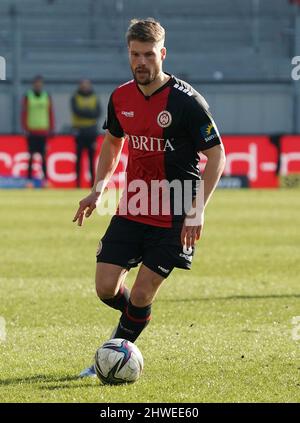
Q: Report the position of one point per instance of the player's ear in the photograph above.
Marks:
(163, 52)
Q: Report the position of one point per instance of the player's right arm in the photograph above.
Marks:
(108, 161)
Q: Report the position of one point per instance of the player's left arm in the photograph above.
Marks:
(213, 169)
(206, 139)
(193, 224)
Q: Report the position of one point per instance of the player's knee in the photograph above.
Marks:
(141, 297)
(105, 290)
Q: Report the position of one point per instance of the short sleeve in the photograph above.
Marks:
(201, 126)
(111, 122)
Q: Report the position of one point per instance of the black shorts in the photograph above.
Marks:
(128, 243)
(37, 143)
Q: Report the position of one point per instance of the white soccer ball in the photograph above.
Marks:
(118, 361)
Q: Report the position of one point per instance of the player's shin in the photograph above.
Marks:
(119, 301)
(133, 321)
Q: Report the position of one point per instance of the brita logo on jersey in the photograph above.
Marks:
(208, 132)
(141, 142)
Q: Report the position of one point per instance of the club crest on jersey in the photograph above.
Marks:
(164, 119)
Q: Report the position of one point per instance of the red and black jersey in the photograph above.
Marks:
(165, 133)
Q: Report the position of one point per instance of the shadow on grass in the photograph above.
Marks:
(229, 298)
(60, 386)
(39, 379)
(52, 383)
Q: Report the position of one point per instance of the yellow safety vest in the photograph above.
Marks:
(84, 102)
(38, 111)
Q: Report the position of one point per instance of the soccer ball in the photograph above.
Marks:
(118, 361)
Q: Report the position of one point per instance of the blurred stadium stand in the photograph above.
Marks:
(236, 52)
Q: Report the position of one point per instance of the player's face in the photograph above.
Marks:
(146, 60)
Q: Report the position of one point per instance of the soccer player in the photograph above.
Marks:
(166, 124)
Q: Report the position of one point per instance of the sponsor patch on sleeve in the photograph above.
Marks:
(209, 132)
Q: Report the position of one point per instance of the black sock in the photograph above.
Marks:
(133, 321)
(119, 301)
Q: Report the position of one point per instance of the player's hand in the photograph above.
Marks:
(86, 207)
(190, 234)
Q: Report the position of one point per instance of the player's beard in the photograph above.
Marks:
(144, 76)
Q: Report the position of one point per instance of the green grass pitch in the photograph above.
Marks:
(220, 333)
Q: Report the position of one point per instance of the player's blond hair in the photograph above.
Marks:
(145, 30)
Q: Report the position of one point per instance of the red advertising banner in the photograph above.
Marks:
(249, 156)
(253, 156)
(61, 161)
(290, 155)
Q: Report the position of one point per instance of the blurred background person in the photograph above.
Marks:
(37, 122)
(86, 110)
